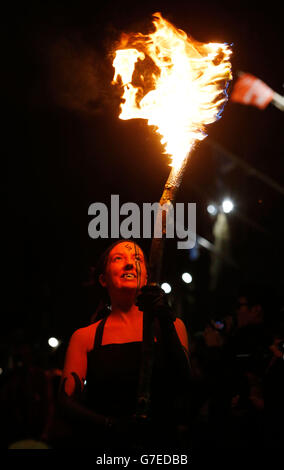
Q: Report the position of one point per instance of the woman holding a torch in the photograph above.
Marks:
(180, 89)
(98, 394)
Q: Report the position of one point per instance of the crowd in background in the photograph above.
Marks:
(235, 399)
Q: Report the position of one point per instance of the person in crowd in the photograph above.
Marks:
(24, 398)
(274, 387)
(230, 359)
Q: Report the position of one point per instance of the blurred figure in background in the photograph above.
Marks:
(274, 387)
(229, 365)
(24, 398)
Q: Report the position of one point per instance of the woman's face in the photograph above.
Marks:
(125, 268)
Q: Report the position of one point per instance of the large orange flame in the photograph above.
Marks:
(174, 82)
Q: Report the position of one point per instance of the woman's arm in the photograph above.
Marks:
(72, 381)
(75, 366)
(175, 343)
(182, 335)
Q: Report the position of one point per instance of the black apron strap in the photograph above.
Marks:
(99, 333)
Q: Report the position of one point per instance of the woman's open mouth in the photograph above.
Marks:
(129, 276)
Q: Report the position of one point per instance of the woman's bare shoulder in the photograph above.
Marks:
(85, 336)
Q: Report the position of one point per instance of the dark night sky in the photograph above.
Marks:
(65, 148)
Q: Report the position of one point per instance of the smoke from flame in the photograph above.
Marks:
(174, 82)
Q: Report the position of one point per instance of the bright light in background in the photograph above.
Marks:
(53, 342)
(212, 209)
(227, 206)
(187, 278)
(166, 287)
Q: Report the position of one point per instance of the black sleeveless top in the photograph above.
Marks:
(112, 376)
(112, 382)
(111, 390)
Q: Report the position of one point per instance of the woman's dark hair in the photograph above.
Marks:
(103, 307)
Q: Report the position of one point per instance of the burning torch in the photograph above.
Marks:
(178, 85)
